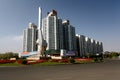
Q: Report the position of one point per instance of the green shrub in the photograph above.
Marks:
(71, 60)
(24, 61)
(98, 59)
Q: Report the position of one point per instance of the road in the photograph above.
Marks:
(108, 70)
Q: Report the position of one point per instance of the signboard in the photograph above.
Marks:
(70, 53)
(67, 53)
(25, 54)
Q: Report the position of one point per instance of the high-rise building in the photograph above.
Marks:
(29, 38)
(86, 46)
(80, 42)
(58, 34)
(101, 47)
(97, 47)
(69, 36)
(50, 30)
(93, 46)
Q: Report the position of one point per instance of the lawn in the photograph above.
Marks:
(11, 64)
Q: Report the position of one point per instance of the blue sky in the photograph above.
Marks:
(97, 19)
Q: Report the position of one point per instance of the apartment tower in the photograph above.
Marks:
(29, 38)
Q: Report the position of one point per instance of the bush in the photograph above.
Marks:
(71, 60)
(95, 59)
(24, 61)
(98, 59)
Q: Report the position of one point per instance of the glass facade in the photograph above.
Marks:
(29, 38)
(86, 46)
(50, 31)
(58, 34)
(69, 36)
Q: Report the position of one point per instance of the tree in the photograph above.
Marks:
(8, 55)
(111, 54)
